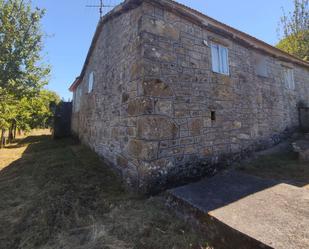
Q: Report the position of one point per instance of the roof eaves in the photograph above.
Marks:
(117, 11)
(200, 19)
(75, 84)
(208, 22)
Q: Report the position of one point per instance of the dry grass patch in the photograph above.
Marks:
(57, 194)
(14, 151)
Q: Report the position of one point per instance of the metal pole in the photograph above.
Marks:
(101, 8)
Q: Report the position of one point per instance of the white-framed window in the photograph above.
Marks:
(90, 82)
(220, 59)
(261, 68)
(288, 77)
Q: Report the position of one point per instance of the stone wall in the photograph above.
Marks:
(304, 119)
(155, 100)
(102, 122)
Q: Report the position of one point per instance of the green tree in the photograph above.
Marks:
(22, 74)
(21, 44)
(29, 113)
(294, 28)
(40, 109)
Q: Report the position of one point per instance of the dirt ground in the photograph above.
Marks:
(58, 194)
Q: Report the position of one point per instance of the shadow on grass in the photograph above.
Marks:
(47, 188)
(21, 142)
(60, 195)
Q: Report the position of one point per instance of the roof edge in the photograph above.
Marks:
(75, 84)
(117, 11)
(198, 18)
(211, 24)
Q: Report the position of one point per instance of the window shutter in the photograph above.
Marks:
(219, 56)
(285, 78)
(215, 58)
(224, 60)
(288, 75)
(291, 78)
(261, 65)
(90, 82)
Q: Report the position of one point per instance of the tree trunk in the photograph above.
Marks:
(2, 138)
(14, 131)
(10, 137)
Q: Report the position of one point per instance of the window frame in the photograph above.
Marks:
(261, 66)
(220, 64)
(288, 78)
(90, 82)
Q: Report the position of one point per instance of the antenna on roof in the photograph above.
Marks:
(100, 6)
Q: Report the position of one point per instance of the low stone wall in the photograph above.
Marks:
(163, 173)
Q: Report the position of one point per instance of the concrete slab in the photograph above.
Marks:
(243, 211)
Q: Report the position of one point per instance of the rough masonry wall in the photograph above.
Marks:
(154, 94)
(176, 138)
(102, 122)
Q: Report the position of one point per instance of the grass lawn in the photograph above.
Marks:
(57, 194)
(283, 166)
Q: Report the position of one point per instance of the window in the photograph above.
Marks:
(288, 76)
(220, 60)
(261, 65)
(90, 82)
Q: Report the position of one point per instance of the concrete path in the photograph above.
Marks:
(242, 211)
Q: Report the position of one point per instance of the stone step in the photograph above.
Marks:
(240, 211)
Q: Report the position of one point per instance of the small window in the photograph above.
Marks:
(90, 82)
(213, 115)
(261, 65)
(288, 76)
(220, 59)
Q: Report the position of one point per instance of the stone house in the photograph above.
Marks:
(168, 94)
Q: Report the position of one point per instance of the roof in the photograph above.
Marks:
(75, 84)
(198, 18)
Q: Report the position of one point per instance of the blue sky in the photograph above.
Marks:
(70, 27)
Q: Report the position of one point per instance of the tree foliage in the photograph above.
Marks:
(23, 102)
(294, 27)
(20, 48)
(36, 112)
